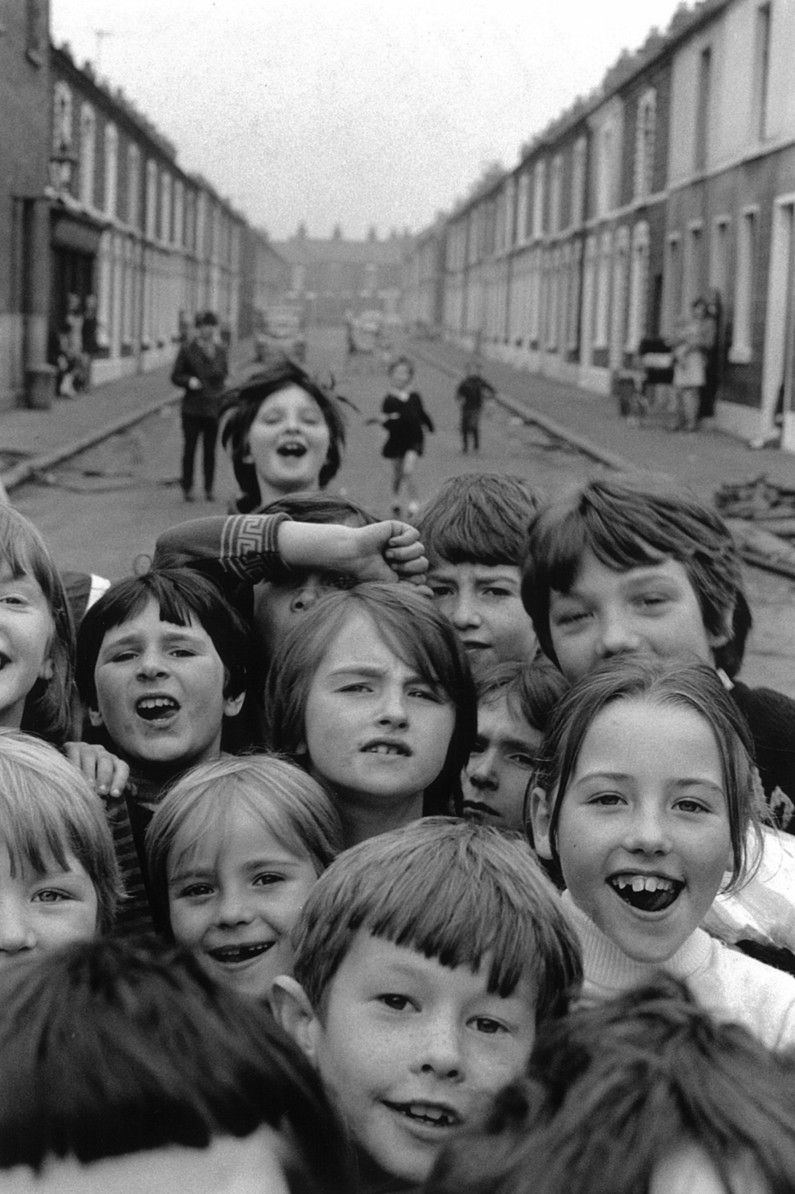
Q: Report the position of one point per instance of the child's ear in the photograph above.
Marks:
(47, 669)
(726, 629)
(293, 1011)
(95, 717)
(233, 705)
(540, 819)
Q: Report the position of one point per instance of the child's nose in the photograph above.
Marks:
(464, 612)
(235, 907)
(441, 1050)
(305, 597)
(15, 933)
(152, 663)
(393, 709)
(482, 771)
(648, 832)
(617, 634)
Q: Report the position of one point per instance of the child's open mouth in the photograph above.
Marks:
(233, 955)
(156, 708)
(647, 893)
(384, 747)
(431, 1114)
(292, 448)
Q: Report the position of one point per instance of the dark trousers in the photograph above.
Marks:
(470, 429)
(194, 426)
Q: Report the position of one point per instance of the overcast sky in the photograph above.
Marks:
(355, 112)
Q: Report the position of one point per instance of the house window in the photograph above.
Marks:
(604, 169)
(638, 286)
(740, 351)
(555, 193)
(521, 208)
(88, 133)
(703, 100)
(165, 207)
(133, 185)
(61, 117)
(111, 168)
(151, 199)
(693, 264)
(645, 133)
(603, 291)
(539, 187)
(179, 217)
(761, 71)
(673, 279)
(578, 182)
(573, 314)
(719, 256)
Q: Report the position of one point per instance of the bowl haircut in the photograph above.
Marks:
(287, 802)
(110, 1048)
(460, 893)
(49, 709)
(478, 518)
(48, 811)
(320, 508)
(243, 404)
(634, 521)
(680, 685)
(414, 630)
(182, 595)
(616, 1088)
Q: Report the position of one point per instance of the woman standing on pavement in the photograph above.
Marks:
(693, 339)
(200, 370)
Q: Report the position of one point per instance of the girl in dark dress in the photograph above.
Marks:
(404, 417)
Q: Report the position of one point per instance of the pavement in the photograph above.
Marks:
(592, 422)
(33, 441)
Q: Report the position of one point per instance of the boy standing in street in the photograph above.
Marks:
(470, 395)
(200, 370)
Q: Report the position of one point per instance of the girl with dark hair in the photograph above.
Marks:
(284, 432)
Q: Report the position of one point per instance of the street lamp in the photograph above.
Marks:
(62, 165)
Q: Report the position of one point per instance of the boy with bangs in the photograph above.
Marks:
(634, 564)
(425, 959)
(475, 534)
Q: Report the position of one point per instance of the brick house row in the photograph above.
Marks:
(95, 202)
(675, 179)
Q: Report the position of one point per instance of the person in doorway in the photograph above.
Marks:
(200, 370)
(89, 344)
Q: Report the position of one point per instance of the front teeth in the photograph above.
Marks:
(644, 882)
(382, 748)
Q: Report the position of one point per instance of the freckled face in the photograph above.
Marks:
(288, 442)
(431, 1045)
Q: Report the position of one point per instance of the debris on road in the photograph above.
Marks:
(761, 516)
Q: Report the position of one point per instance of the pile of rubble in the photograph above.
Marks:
(762, 518)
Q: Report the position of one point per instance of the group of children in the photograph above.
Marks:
(312, 880)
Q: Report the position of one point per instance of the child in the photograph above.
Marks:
(36, 677)
(643, 1093)
(404, 417)
(373, 695)
(634, 564)
(59, 881)
(234, 849)
(162, 667)
(515, 701)
(285, 433)
(332, 544)
(475, 535)
(473, 391)
(425, 961)
(645, 801)
(126, 1068)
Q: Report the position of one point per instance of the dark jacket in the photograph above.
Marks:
(211, 371)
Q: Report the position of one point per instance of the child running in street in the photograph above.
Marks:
(404, 416)
(645, 800)
(372, 694)
(234, 849)
(425, 961)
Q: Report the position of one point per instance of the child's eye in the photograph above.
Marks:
(692, 806)
(357, 686)
(522, 759)
(570, 617)
(195, 891)
(12, 599)
(424, 693)
(267, 879)
(50, 895)
(182, 652)
(486, 1025)
(606, 799)
(651, 600)
(397, 1003)
(496, 591)
(439, 589)
(121, 656)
